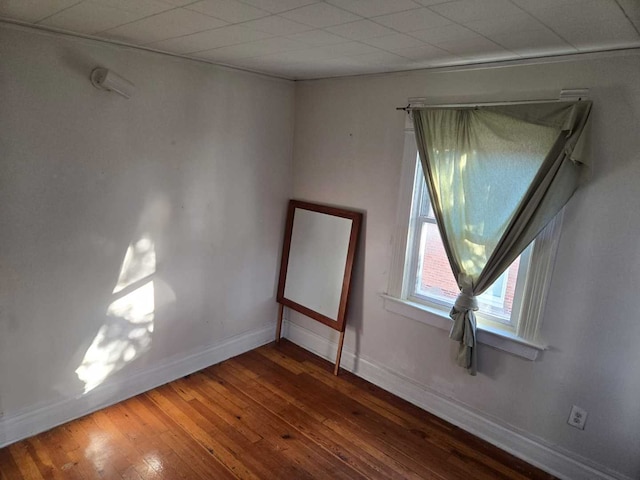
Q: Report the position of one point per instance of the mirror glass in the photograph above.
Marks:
(317, 258)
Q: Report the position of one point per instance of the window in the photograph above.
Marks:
(429, 274)
(422, 282)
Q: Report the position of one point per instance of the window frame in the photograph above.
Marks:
(523, 336)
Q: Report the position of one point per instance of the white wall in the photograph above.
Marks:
(198, 160)
(347, 151)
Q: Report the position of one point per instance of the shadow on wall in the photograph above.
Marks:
(355, 313)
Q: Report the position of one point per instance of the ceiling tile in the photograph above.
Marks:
(380, 58)
(142, 7)
(278, 6)
(348, 49)
(542, 5)
(584, 14)
(360, 30)
(428, 3)
(320, 15)
(276, 25)
(267, 64)
(225, 58)
(463, 11)
(285, 61)
(425, 52)
(476, 46)
(339, 50)
(448, 61)
(253, 49)
(327, 68)
(164, 25)
(219, 37)
(230, 11)
(505, 25)
(445, 33)
(546, 3)
(412, 20)
(90, 18)
(290, 58)
(393, 42)
(591, 25)
(293, 65)
(373, 8)
(176, 3)
(316, 38)
(602, 35)
(631, 10)
(32, 10)
(528, 43)
(384, 60)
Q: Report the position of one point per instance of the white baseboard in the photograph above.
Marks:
(45, 416)
(562, 464)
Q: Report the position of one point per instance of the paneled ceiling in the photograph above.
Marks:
(303, 39)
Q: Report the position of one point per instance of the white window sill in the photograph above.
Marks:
(494, 338)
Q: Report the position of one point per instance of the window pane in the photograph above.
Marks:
(425, 203)
(435, 280)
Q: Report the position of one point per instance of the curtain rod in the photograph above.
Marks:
(565, 95)
(411, 107)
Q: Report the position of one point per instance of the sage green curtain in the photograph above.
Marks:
(496, 176)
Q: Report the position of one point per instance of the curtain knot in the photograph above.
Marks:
(466, 301)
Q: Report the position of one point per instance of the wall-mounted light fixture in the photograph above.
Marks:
(105, 79)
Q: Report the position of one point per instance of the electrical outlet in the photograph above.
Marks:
(577, 417)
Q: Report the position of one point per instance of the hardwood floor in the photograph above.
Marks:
(274, 413)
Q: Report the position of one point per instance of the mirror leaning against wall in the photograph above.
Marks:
(317, 264)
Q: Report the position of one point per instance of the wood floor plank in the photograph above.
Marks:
(150, 421)
(211, 438)
(8, 467)
(307, 424)
(185, 448)
(59, 444)
(214, 388)
(417, 420)
(101, 450)
(264, 459)
(277, 412)
(393, 414)
(49, 469)
(150, 457)
(223, 410)
(336, 406)
(330, 405)
(294, 445)
(235, 370)
(26, 464)
(369, 465)
(428, 462)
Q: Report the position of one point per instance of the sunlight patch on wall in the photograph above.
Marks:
(139, 262)
(127, 332)
(136, 307)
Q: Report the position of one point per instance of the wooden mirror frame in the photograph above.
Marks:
(339, 323)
